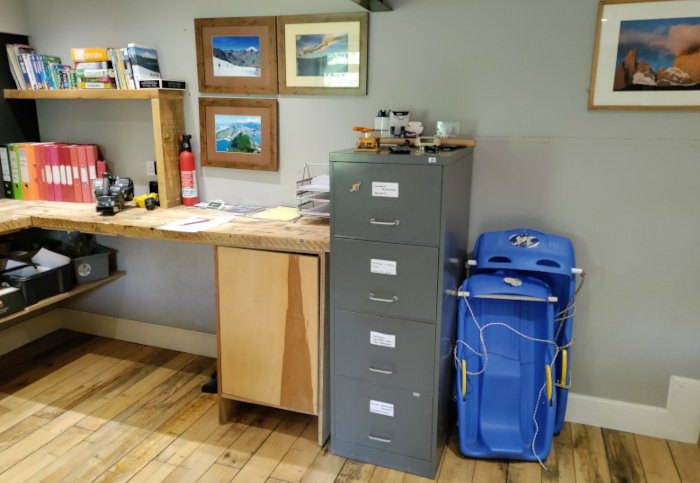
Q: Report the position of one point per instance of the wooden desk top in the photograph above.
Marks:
(305, 235)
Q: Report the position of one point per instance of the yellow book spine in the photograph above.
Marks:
(89, 55)
(94, 85)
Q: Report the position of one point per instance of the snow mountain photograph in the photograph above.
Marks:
(236, 56)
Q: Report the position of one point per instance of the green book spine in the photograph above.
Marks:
(15, 168)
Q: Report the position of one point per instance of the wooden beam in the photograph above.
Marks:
(373, 5)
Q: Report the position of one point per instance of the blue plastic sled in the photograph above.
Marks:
(496, 408)
(549, 258)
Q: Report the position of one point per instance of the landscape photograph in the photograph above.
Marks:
(238, 134)
(321, 55)
(658, 55)
(236, 56)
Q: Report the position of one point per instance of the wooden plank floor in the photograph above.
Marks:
(79, 408)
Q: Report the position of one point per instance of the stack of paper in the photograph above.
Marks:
(281, 213)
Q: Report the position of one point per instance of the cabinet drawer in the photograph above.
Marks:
(382, 350)
(383, 418)
(385, 279)
(406, 197)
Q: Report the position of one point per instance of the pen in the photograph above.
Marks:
(196, 221)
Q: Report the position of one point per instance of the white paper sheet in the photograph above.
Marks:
(196, 223)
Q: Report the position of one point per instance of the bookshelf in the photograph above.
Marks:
(168, 124)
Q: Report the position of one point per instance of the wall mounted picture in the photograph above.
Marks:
(647, 55)
(237, 55)
(238, 133)
(323, 54)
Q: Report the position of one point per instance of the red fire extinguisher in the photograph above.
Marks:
(188, 178)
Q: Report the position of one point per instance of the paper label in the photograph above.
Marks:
(49, 176)
(385, 190)
(383, 408)
(69, 178)
(83, 175)
(76, 173)
(23, 165)
(14, 168)
(56, 174)
(5, 164)
(383, 340)
(384, 267)
(63, 174)
(93, 173)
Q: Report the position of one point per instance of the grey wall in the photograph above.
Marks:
(622, 185)
(14, 17)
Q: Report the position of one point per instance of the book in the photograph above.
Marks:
(67, 192)
(27, 62)
(95, 73)
(48, 173)
(6, 173)
(15, 68)
(127, 69)
(144, 63)
(14, 170)
(41, 170)
(17, 51)
(89, 55)
(75, 173)
(85, 183)
(40, 69)
(92, 65)
(94, 79)
(55, 171)
(49, 61)
(64, 77)
(30, 187)
(91, 156)
(96, 85)
(162, 84)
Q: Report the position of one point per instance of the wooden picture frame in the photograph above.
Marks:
(250, 139)
(238, 69)
(304, 68)
(645, 55)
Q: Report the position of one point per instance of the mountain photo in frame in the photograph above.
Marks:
(647, 55)
(237, 55)
(238, 133)
(323, 54)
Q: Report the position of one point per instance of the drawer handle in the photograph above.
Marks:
(381, 440)
(388, 301)
(390, 223)
(380, 371)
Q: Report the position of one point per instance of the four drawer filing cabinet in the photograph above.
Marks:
(398, 248)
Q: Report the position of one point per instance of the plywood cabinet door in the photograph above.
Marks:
(268, 316)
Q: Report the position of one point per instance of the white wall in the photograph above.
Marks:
(622, 185)
(13, 19)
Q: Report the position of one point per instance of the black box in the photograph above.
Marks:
(11, 301)
(37, 284)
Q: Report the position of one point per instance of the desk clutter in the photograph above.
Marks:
(37, 264)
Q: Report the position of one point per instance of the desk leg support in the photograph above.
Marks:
(324, 352)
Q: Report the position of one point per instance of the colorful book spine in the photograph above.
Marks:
(50, 62)
(95, 73)
(92, 156)
(85, 183)
(48, 171)
(6, 172)
(27, 61)
(127, 69)
(95, 79)
(37, 62)
(96, 85)
(89, 55)
(75, 172)
(14, 169)
(40, 170)
(92, 65)
(55, 172)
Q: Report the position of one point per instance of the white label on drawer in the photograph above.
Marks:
(384, 340)
(378, 407)
(385, 190)
(384, 267)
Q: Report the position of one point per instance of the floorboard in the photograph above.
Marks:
(75, 407)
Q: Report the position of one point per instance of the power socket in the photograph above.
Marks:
(151, 168)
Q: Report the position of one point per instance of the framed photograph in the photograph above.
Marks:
(238, 133)
(323, 54)
(647, 55)
(237, 55)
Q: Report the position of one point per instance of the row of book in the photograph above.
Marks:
(50, 171)
(132, 67)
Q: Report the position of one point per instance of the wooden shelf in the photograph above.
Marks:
(94, 94)
(168, 124)
(82, 288)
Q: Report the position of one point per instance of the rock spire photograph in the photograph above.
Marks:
(658, 54)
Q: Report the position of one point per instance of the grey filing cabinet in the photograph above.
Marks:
(398, 239)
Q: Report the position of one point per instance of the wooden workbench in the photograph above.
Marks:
(304, 348)
(307, 235)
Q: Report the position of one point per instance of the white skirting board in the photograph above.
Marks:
(112, 327)
(678, 421)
